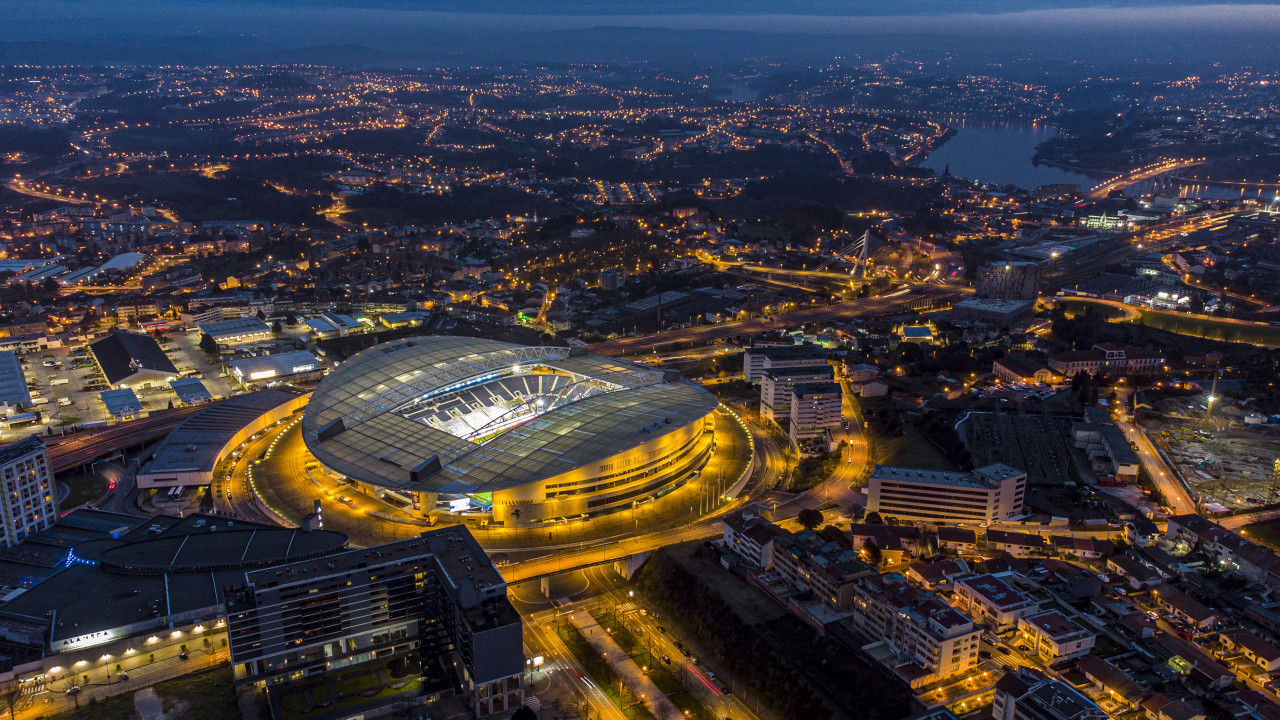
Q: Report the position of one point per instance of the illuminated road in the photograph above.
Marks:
(1164, 476)
(1138, 175)
(707, 333)
(69, 451)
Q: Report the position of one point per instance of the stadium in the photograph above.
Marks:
(522, 436)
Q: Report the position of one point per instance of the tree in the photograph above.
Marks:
(276, 327)
(262, 315)
(208, 344)
(873, 518)
(871, 553)
(524, 713)
(809, 518)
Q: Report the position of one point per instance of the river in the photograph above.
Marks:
(1001, 154)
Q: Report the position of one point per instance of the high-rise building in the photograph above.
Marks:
(30, 503)
(755, 360)
(1009, 280)
(816, 408)
(436, 597)
(611, 279)
(776, 385)
(987, 494)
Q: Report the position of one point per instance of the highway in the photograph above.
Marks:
(72, 450)
(1137, 175)
(703, 334)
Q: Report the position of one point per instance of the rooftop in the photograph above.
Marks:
(121, 355)
(988, 477)
(277, 365)
(13, 383)
(194, 445)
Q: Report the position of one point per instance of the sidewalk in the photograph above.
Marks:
(654, 699)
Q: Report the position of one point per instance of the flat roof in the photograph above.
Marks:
(13, 382)
(621, 405)
(277, 365)
(15, 450)
(123, 261)
(235, 327)
(986, 478)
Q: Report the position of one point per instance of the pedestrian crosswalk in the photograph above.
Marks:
(532, 702)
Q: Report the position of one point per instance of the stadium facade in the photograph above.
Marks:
(524, 436)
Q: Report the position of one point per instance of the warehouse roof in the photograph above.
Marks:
(122, 355)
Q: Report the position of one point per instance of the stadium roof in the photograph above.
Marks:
(356, 422)
(122, 355)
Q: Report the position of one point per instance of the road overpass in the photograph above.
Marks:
(73, 450)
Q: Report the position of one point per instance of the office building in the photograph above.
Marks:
(816, 410)
(436, 597)
(985, 495)
(925, 638)
(756, 360)
(1009, 280)
(776, 385)
(31, 502)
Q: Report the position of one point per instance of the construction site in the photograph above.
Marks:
(1232, 467)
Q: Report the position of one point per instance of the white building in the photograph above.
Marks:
(776, 386)
(816, 409)
(985, 495)
(1054, 637)
(31, 504)
(756, 360)
(988, 600)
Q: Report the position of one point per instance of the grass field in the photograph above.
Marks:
(208, 696)
(752, 606)
(1198, 326)
(1267, 533)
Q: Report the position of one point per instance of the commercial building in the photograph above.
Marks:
(236, 330)
(1108, 359)
(999, 312)
(268, 370)
(108, 588)
(331, 325)
(1009, 280)
(1018, 368)
(436, 597)
(816, 410)
(1030, 695)
(927, 640)
(190, 391)
(13, 384)
(807, 561)
(756, 360)
(132, 360)
(1054, 637)
(122, 404)
(188, 455)
(776, 385)
(990, 601)
(31, 502)
(519, 435)
(985, 495)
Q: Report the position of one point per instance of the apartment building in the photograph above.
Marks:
(830, 571)
(985, 495)
(990, 601)
(1054, 637)
(756, 360)
(1031, 695)
(31, 503)
(927, 640)
(1008, 280)
(751, 538)
(436, 596)
(778, 384)
(816, 410)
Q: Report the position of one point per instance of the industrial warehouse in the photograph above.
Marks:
(520, 435)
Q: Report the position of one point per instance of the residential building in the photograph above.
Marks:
(962, 541)
(436, 596)
(1184, 607)
(31, 502)
(985, 495)
(1054, 637)
(924, 639)
(1136, 573)
(1254, 649)
(990, 601)
(1009, 280)
(776, 385)
(751, 538)
(756, 360)
(938, 575)
(816, 410)
(611, 279)
(1031, 695)
(1019, 545)
(830, 571)
(1111, 680)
